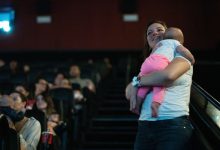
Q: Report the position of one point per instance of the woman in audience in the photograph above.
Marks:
(41, 86)
(61, 81)
(57, 80)
(42, 109)
(24, 90)
(44, 103)
(29, 129)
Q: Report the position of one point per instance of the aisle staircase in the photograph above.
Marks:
(114, 127)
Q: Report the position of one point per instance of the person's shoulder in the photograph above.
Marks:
(169, 41)
(34, 121)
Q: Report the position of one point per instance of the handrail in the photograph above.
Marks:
(207, 96)
(206, 104)
(205, 116)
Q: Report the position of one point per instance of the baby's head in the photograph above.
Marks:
(174, 33)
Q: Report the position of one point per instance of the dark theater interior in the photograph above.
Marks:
(65, 66)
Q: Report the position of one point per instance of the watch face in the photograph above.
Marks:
(135, 81)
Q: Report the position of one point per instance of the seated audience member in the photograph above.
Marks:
(24, 90)
(9, 139)
(57, 80)
(39, 115)
(87, 89)
(14, 68)
(42, 109)
(75, 78)
(50, 139)
(106, 67)
(29, 129)
(89, 70)
(26, 69)
(41, 86)
(61, 82)
(55, 125)
(65, 83)
(53, 121)
(2, 63)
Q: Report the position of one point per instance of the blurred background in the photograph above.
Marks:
(69, 26)
(73, 25)
(105, 38)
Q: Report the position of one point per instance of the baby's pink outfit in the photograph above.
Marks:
(154, 62)
(158, 60)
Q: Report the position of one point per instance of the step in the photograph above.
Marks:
(111, 122)
(113, 128)
(111, 95)
(110, 136)
(107, 146)
(114, 111)
(114, 91)
(116, 118)
(111, 103)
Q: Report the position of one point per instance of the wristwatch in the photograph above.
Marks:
(136, 81)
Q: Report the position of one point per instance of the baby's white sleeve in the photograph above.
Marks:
(180, 56)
